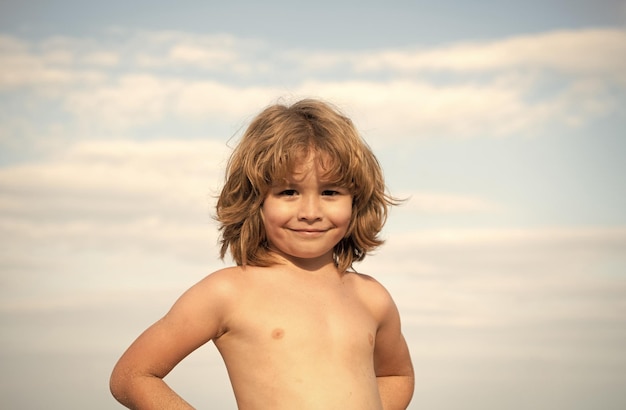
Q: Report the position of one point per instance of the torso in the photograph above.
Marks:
(301, 341)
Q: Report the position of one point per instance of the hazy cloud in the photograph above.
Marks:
(494, 89)
(589, 52)
(445, 203)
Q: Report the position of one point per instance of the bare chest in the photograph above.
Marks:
(330, 321)
(305, 347)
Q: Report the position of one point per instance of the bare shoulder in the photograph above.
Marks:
(222, 281)
(231, 281)
(372, 293)
(368, 284)
(206, 305)
(211, 297)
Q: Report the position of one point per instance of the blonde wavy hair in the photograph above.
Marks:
(274, 142)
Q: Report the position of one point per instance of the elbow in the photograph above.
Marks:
(130, 387)
(118, 385)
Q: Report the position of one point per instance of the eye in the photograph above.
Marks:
(330, 192)
(288, 192)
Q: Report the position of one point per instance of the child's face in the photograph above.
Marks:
(305, 216)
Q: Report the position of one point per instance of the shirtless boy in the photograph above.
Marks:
(297, 327)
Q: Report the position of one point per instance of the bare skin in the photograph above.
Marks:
(290, 338)
(296, 335)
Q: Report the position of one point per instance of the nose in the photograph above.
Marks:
(309, 209)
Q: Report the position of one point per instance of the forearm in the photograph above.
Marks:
(147, 393)
(395, 391)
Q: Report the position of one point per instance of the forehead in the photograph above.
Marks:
(322, 165)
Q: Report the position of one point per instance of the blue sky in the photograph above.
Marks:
(502, 122)
(353, 24)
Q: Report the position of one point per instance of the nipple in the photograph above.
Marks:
(278, 333)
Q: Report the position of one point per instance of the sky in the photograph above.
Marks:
(501, 123)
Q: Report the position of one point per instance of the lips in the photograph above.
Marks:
(309, 231)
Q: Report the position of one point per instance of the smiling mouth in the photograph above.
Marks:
(309, 231)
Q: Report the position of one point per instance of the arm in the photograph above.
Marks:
(392, 360)
(196, 317)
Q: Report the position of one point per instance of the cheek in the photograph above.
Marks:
(348, 216)
(272, 214)
(344, 215)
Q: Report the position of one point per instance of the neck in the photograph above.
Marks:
(320, 265)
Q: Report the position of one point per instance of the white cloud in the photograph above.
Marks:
(398, 108)
(202, 99)
(115, 194)
(503, 278)
(102, 58)
(418, 109)
(445, 203)
(577, 52)
(201, 56)
(581, 52)
(51, 63)
(121, 165)
(537, 237)
(508, 97)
